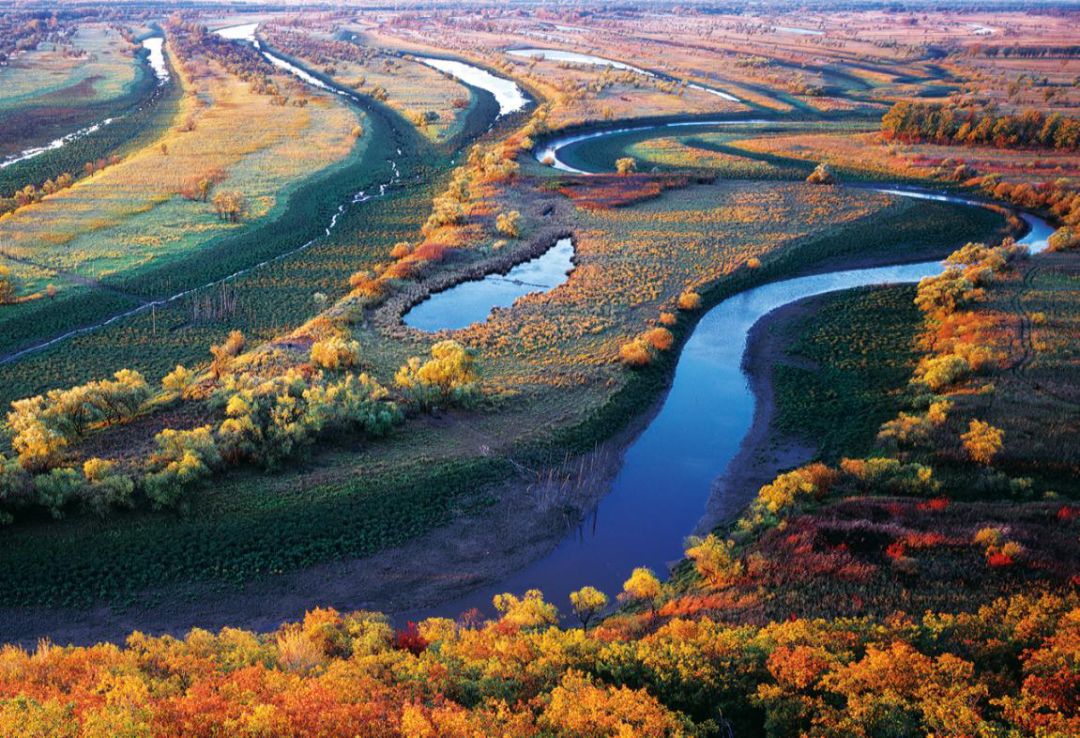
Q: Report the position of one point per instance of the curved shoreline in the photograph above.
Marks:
(762, 454)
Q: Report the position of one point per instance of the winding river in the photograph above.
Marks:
(661, 490)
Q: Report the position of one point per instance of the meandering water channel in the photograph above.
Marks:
(507, 94)
(661, 490)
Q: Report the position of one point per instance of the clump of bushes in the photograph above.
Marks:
(689, 301)
(1066, 238)
(335, 353)
(183, 458)
(635, 353)
(448, 377)
(43, 426)
(509, 224)
(641, 350)
(822, 174)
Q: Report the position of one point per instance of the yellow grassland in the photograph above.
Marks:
(130, 213)
(866, 151)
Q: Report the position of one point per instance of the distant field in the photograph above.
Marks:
(46, 94)
(867, 152)
(131, 214)
(112, 231)
(99, 65)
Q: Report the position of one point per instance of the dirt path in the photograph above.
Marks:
(1019, 369)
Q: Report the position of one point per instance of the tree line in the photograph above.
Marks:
(263, 419)
(942, 124)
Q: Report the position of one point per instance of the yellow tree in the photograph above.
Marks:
(643, 587)
(982, 441)
(449, 374)
(509, 224)
(715, 560)
(7, 286)
(230, 205)
(530, 611)
(588, 602)
(335, 352)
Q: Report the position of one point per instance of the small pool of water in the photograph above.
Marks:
(507, 94)
(472, 302)
(799, 31)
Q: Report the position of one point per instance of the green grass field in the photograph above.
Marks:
(860, 349)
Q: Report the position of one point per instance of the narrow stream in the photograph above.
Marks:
(473, 301)
(663, 486)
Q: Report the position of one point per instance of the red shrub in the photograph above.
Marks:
(430, 251)
(998, 559)
(924, 540)
(410, 640)
(896, 550)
